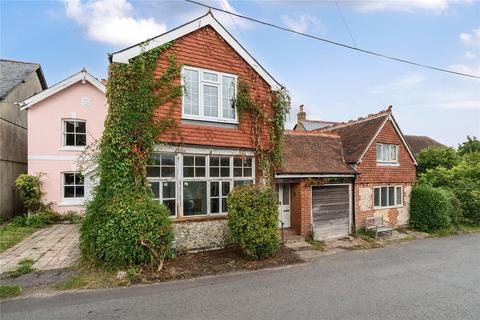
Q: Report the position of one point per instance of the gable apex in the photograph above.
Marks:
(123, 56)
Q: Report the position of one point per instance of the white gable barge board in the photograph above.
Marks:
(80, 76)
(123, 56)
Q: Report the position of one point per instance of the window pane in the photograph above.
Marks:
(69, 192)
(200, 172)
(79, 192)
(376, 197)
(224, 205)
(399, 195)
(214, 205)
(214, 161)
(168, 171)
(154, 159)
(225, 188)
(153, 172)
(225, 172)
(210, 101)
(286, 194)
(391, 196)
(200, 161)
(214, 189)
(209, 76)
(384, 196)
(385, 153)
(70, 139)
(194, 198)
(69, 126)
(214, 172)
(225, 162)
(190, 96)
(237, 172)
(242, 182)
(78, 178)
(379, 152)
(248, 162)
(170, 204)
(237, 162)
(69, 178)
(188, 172)
(80, 127)
(168, 160)
(81, 140)
(168, 190)
(228, 95)
(247, 172)
(188, 160)
(155, 186)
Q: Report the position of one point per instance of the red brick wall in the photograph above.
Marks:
(372, 175)
(205, 48)
(301, 207)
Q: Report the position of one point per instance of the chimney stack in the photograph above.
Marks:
(301, 115)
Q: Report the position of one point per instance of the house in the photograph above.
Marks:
(418, 143)
(376, 149)
(18, 81)
(212, 149)
(63, 120)
(315, 186)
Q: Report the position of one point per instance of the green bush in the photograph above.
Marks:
(433, 157)
(112, 234)
(30, 188)
(44, 217)
(429, 208)
(454, 207)
(253, 220)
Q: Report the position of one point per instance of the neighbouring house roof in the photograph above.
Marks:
(82, 76)
(123, 56)
(418, 143)
(358, 135)
(309, 125)
(313, 153)
(13, 73)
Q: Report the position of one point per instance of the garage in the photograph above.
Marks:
(331, 211)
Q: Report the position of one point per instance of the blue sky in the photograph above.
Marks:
(332, 83)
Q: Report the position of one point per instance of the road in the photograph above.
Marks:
(424, 279)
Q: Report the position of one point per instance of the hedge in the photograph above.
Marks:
(253, 220)
(429, 208)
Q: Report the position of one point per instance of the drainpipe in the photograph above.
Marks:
(353, 205)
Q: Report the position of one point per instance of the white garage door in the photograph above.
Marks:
(330, 212)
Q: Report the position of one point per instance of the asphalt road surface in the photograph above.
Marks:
(425, 279)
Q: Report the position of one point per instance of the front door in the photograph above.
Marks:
(283, 193)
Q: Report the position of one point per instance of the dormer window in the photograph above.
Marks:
(387, 153)
(208, 95)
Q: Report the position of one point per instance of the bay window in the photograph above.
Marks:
(387, 197)
(208, 95)
(197, 184)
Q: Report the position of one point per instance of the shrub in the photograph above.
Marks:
(44, 217)
(30, 188)
(8, 291)
(454, 207)
(429, 208)
(433, 157)
(126, 231)
(253, 220)
(472, 145)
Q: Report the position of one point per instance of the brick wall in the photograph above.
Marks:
(372, 175)
(301, 208)
(205, 48)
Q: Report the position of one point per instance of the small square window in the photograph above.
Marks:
(73, 185)
(74, 133)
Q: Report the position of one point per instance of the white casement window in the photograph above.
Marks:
(195, 185)
(74, 133)
(387, 153)
(73, 186)
(208, 95)
(387, 197)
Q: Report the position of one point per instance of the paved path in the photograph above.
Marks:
(54, 247)
(426, 279)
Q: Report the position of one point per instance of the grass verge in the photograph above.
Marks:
(454, 230)
(369, 242)
(318, 245)
(91, 277)
(11, 234)
(10, 291)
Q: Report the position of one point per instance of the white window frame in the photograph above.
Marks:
(72, 200)
(219, 85)
(389, 145)
(160, 180)
(64, 135)
(395, 205)
(179, 179)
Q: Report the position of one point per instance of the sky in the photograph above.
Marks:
(332, 82)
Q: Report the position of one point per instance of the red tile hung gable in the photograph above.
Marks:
(370, 172)
(205, 48)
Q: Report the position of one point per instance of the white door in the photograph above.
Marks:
(283, 193)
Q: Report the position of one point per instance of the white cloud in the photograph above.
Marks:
(469, 55)
(408, 82)
(301, 23)
(112, 21)
(436, 6)
(471, 39)
(463, 68)
(452, 105)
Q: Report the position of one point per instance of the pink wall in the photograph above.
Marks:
(45, 142)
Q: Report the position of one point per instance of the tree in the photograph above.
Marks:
(470, 146)
(433, 157)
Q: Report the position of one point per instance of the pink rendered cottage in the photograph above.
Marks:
(62, 121)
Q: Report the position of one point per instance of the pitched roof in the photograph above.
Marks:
(418, 143)
(83, 76)
(124, 55)
(13, 73)
(313, 153)
(309, 125)
(357, 135)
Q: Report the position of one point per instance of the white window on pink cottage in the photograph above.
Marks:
(208, 95)
(74, 133)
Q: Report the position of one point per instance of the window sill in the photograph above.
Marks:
(64, 203)
(388, 164)
(71, 148)
(199, 218)
(390, 207)
(210, 122)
